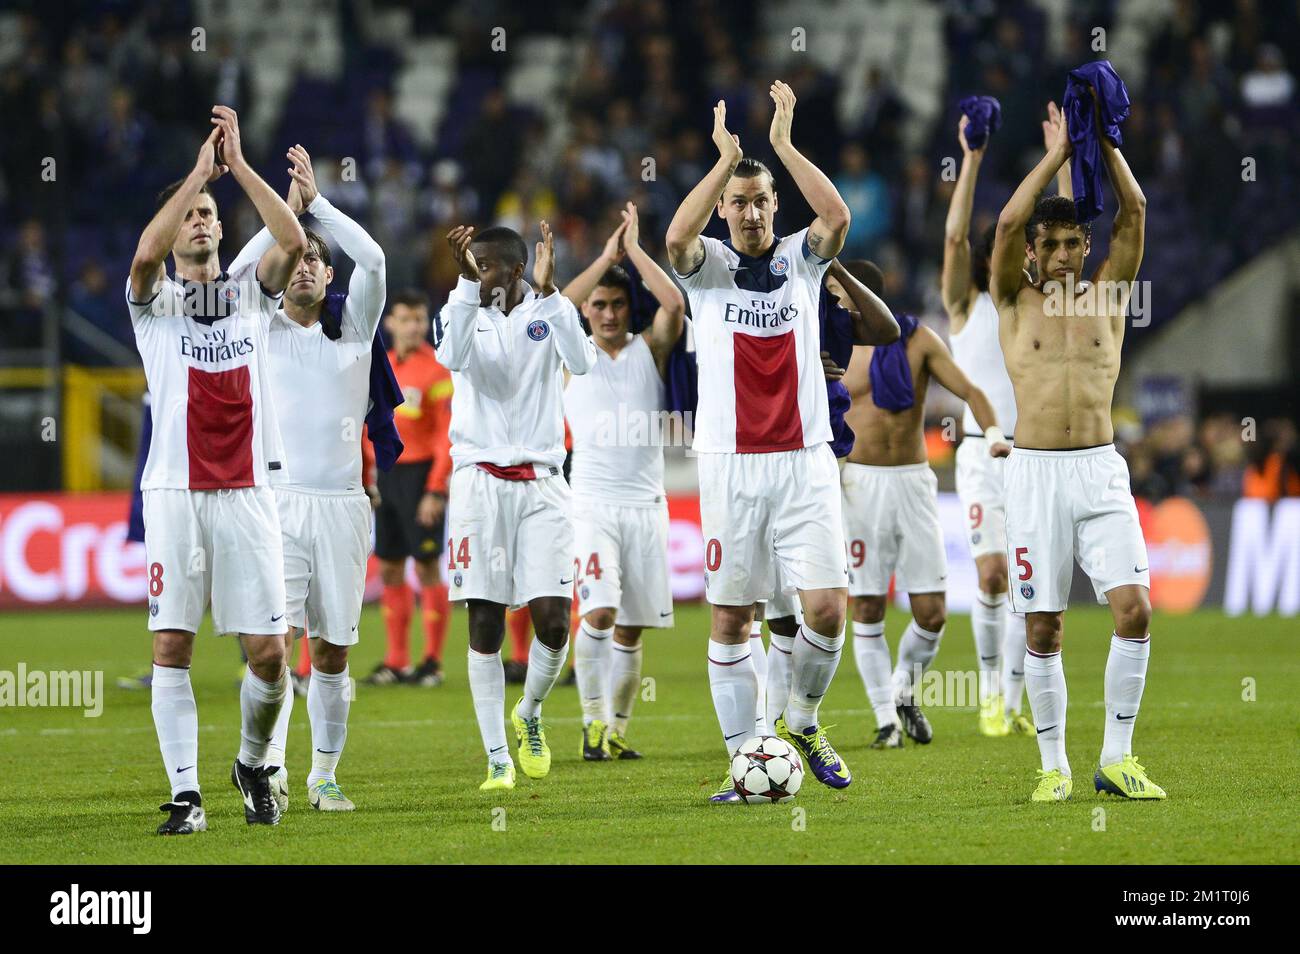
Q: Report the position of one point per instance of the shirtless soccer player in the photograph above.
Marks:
(211, 527)
(1068, 484)
(620, 528)
(321, 367)
(891, 513)
(973, 336)
(769, 485)
(511, 541)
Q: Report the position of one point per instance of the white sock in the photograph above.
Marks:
(735, 691)
(176, 720)
(487, 686)
(591, 664)
(759, 655)
(988, 620)
(625, 683)
(916, 650)
(1045, 680)
(329, 697)
(1013, 661)
(544, 667)
(813, 665)
(259, 707)
(1126, 675)
(872, 655)
(780, 654)
(280, 735)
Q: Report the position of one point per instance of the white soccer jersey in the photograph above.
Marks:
(615, 414)
(978, 352)
(761, 384)
(322, 386)
(204, 351)
(507, 398)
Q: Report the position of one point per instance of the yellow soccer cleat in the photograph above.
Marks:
(1053, 786)
(992, 722)
(1018, 724)
(595, 742)
(500, 777)
(1126, 779)
(534, 753)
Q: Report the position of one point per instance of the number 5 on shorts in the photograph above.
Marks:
(1026, 568)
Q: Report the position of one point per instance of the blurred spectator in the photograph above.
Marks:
(867, 196)
(1273, 470)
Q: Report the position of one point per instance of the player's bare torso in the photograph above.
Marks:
(1063, 358)
(890, 438)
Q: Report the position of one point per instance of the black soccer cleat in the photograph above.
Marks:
(254, 786)
(915, 724)
(428, 674)
(888, 737)
(185, 815)
(385, 675)
(516, 672)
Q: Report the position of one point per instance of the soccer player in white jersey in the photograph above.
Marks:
(1069, 487)
(321, 385)
(973, 337)
(511, 542)
(769, 485)
(615, 414)
(211, 527)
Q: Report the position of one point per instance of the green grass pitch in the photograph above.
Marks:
(76, 789)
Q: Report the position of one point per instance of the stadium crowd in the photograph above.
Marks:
(118, 113)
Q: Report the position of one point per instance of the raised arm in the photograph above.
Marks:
(1127, 234)
(685, 250)
(584, 283)
(453, 330)
(955, 282)
(873, 322)
(1006, 270)
(670, 316)
(572, 344)
(367, 288)
(277, 264)
(160, 234)
(827, 233)
(939, 362)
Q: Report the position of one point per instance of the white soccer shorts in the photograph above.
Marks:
(758, 510)
(1067, 505)
(621, 562)
(326, 545)
(981, 487)
(223, 544)
(510, 541)
(891, 521)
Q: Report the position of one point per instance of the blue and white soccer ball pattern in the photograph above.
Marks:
(766, 769)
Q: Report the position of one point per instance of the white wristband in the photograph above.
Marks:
(994, 435)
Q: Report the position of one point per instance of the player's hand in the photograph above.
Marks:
(372, 491)
(631, 226)
(1051, 126)
(459, 239)
(208, 164)
(615, 247)
(429, 511)
(966, 149)
(544, 263)
(783, 117)
(304, 177)
(832, 371)
(1000, 449)
(1060, 141)
(231, 148)
(727, 143)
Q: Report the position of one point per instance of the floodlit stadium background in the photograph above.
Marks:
(501, 112)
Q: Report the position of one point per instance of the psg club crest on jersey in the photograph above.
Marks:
(1026, 591)
(537, 330)
(230, 293)
(779, 265)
